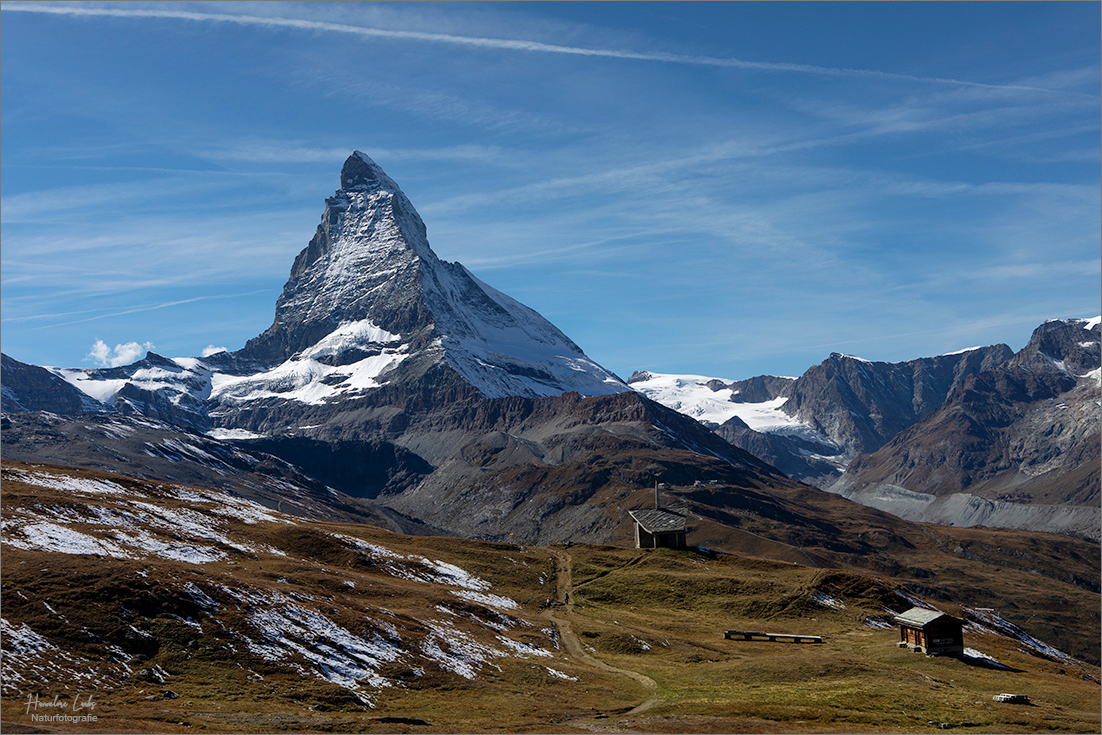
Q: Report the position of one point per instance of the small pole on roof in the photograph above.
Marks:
(657, 502)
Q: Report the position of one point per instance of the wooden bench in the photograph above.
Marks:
(747, 635)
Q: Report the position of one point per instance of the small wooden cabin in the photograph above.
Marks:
(931, 632)
(656, 528)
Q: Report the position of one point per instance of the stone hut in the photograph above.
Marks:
(931, 632)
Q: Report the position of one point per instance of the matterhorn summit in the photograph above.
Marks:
(368, 304)
(366, 262)
(368, 280)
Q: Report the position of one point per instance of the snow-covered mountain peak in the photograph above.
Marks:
(360, 172)
(364, 262)
(370, 263)
(367, 304)
(364, 183)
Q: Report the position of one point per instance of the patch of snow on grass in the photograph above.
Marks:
(30, 662)
(116, 430)
(232, 434)
(46, 536)
(524, 649)
(247, 511)
(878, 623)
(361, 545)
(433, 571)
(915, 601)
(973, 653)
(190, 450)
(498, 601)
(191, 523)
(71, 484)
(1005, 628)
(175, 550)
(560, 675)
(289, 630)
(827, 601)
(189, 532)
(453, 575)
(464, 656)
(23, 640)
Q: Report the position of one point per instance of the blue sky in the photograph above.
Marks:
(727, 189)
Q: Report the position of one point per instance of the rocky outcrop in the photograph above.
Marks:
(760, 388)
(860, 404)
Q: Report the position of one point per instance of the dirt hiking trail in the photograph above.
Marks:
(559, 614)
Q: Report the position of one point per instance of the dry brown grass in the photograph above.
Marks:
(657, 612)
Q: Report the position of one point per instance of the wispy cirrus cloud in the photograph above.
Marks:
(61, 319)
(280, 151)
(504, 44)
(705, 207)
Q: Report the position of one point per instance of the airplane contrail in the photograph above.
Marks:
(500, 43)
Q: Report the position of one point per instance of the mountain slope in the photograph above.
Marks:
(172, 604)
(182, 590)
(559, 469)
(860, 405)
(32, 388)
(153, 450)
(1017, 445)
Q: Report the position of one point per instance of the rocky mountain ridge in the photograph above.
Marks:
(812, 426)
(1008, 425)
(860, 404)
(1016, 445)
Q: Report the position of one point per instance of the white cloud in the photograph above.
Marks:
(121, 354)
(212, 350)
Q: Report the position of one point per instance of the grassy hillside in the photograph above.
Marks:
(177, 609)
(663, 613)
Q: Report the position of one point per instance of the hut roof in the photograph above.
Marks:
(658, 521)
(920, 617)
